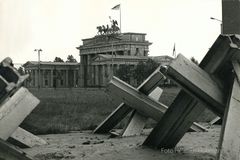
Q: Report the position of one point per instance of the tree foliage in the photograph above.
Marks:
(71, 59)
(139, 73)
(124, 73)
(58, 59)
(20, 71)
(144, 69)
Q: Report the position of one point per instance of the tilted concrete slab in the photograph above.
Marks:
(137, 100)
(137, 121)
(26, 139)
(9, 109)
(197, 83)
(15, 110)
(122, 110)
(236, 67)
(229, 144)
(13, 98)
(184, 110)
(10, 152)
(113, 119)
(135, 125)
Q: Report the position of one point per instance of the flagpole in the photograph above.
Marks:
(118, 7)
(120, 20)
(174, 51)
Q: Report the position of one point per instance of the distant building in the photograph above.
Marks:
(163, 60)
(52, 74)
(102, 55)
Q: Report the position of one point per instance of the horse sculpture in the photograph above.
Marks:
(100, 30)
(104, 30)
(115, 27)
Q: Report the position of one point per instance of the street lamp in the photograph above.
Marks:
(39, 51)
(221, 23)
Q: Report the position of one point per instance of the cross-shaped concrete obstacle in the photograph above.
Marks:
(143, 102)
(16, 103)
(212, 83)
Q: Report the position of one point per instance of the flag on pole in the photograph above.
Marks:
(174, 51)
(117, 7)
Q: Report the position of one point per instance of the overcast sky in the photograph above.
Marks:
(58, 26)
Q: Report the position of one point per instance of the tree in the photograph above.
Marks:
(71, 59)
(144, 69)
(139, 73)
(20, 71)
(194, 60)
(58, 59)
(124, 73)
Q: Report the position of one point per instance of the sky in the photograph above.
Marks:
(58, 26)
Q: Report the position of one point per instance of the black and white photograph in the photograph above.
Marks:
(119, 80)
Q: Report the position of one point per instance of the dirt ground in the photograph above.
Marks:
(87, 146)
